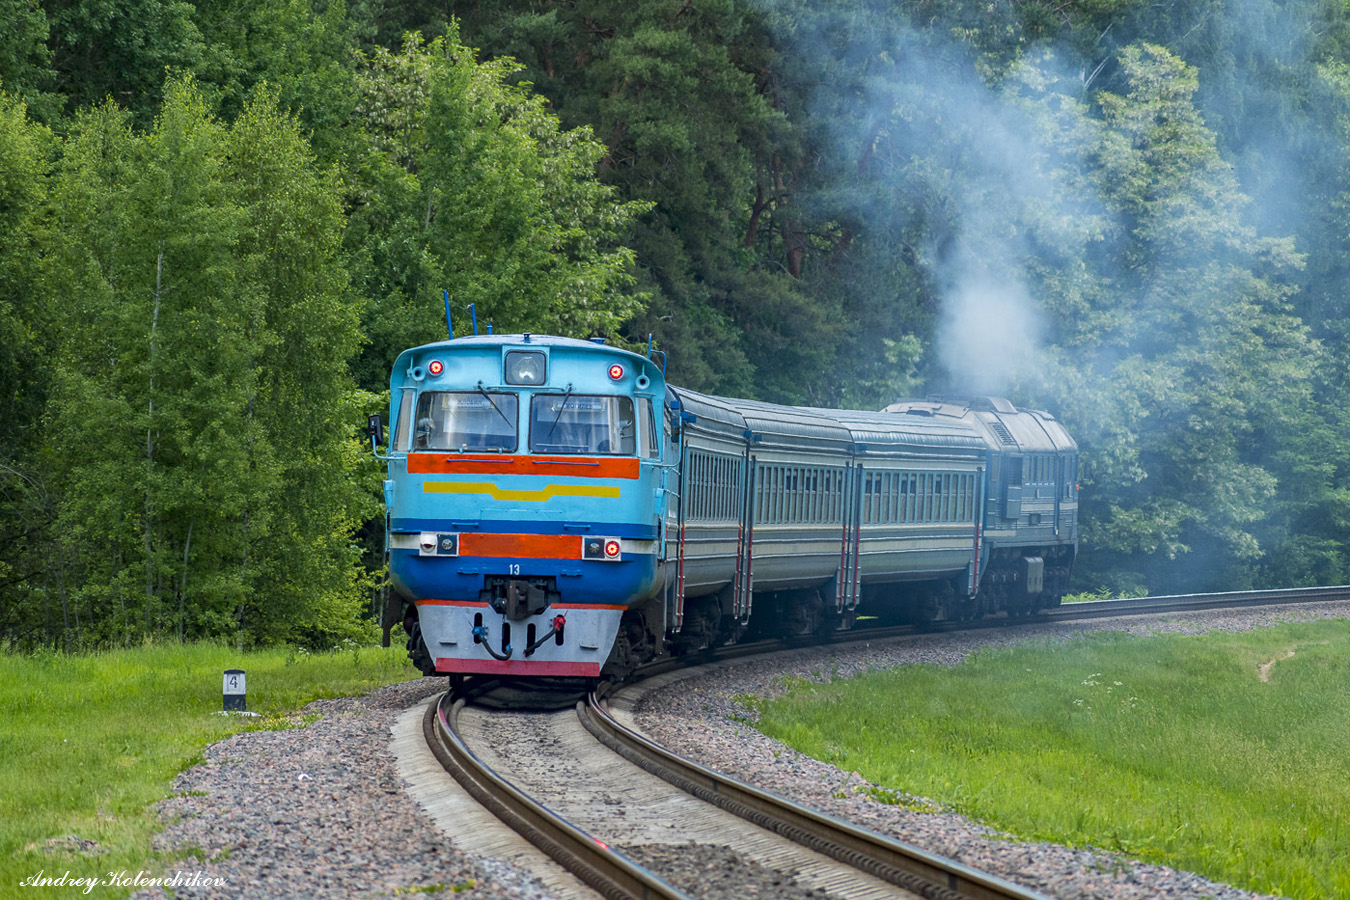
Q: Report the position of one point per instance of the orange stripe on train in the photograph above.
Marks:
(531, 546)
(500, 464)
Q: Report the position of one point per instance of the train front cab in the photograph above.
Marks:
(525, 476)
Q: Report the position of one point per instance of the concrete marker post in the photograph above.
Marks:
(235, 691)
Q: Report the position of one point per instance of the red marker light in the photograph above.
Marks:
(436, 367)
(616, 371)
(611, 549)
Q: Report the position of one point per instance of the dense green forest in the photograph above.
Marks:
(219, 223)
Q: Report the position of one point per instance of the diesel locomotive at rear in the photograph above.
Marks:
(556, 509)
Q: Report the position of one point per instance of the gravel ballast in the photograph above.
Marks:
(701, 718)
(319, 811)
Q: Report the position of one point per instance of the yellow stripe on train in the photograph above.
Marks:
(546, 493)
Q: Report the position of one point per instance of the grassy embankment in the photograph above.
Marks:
(89, 743)
(1223, 754)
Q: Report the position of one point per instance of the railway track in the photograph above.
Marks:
(1194, 602)
(514, 790)
(547, 807)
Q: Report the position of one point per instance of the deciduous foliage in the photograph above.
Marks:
(1133, 214)
(201, 409)
(471, 186)
(25, 332)
(1192, 370)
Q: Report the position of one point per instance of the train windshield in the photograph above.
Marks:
(575, 423)
(466, 421)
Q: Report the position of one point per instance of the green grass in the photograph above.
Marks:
(1171, 749)
(89, 743)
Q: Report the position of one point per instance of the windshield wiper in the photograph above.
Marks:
(560, 410)
(489, 399)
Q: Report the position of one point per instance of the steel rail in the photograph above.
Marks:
(1194, 602)
(1090, 609)
(606, 870)
(908, 867)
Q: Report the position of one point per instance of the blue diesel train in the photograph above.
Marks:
(556, 509)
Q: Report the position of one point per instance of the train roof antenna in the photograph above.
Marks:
(449, 325)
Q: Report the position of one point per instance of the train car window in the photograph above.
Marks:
(875, 500)
(649, 445)
(723, 477)
(691, 488)
(883, 501)
(730, 471)
(466, 421)
(719, 487)
(696, 482)
(868, 492)
(707, 487)
(580, 423)
(759, 494)
(403, 432)
(712, 487)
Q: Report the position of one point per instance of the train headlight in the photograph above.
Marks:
(526, 367)
(430, 543)
(615, 372)
(436, 367)
(602, 549)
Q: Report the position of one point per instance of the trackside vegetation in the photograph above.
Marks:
(221, 221)
(91, 742)
(1222, 754)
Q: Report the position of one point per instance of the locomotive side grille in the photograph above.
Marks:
(1003, 433)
